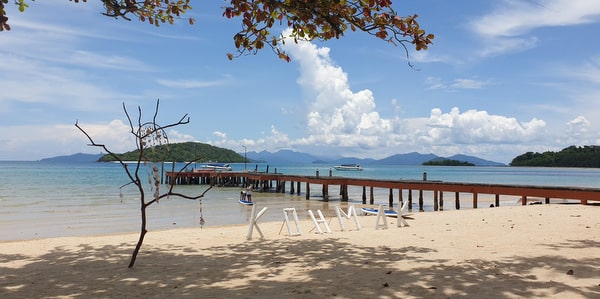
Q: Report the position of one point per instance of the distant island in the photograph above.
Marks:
(181, 152)
(585, 156)
(447, 162)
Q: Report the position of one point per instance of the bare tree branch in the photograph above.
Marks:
(148, 135)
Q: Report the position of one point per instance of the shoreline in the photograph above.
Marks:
(220, 209)
(505, 252)
(118, 217)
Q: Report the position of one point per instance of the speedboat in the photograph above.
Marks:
(217, 166)
(347, 167)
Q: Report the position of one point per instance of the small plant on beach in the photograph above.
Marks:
(148, 135)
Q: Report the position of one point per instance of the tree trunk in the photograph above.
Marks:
(143, 232)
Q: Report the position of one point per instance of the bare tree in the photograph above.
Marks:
(148, 136)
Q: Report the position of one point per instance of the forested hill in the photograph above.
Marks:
(573, 156)
(181, 152)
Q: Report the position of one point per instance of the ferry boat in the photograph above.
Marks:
(347, 167)
(217, 166)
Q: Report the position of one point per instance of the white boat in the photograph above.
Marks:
(347, 167)
(372, 211)
(217, 166)
(245, 202)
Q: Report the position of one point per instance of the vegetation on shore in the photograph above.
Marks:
(572, 156)
(181, 152)
(447, 162)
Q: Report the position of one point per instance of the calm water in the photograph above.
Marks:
(40, 200)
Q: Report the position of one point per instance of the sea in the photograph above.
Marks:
(46, 200)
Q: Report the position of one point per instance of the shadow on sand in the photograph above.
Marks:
(325, 268)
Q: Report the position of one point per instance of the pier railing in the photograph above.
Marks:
(277, 182)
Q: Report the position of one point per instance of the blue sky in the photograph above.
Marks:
(502, 78)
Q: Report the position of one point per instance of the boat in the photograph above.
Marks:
(372, 211)
(245, 202)
(217, 166)
(347, 167)
(390, 213)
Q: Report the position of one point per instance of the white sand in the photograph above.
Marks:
(507, 252)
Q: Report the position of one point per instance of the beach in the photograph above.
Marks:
(535, 251)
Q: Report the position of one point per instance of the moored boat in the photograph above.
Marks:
(347, 167)
(217, 166)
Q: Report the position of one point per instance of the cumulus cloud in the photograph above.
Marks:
(479, 127)
(578, 130)
(177, 137)
(337, 114)
(349, 121)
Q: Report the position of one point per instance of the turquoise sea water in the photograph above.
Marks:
(40, 200)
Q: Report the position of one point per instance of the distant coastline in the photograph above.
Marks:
(573, 156)
(303, 158)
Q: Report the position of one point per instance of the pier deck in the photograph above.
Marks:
(268, 181)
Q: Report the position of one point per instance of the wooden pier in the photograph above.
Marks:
(276, 182)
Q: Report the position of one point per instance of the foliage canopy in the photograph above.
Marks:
(572, 156)
(308, 20)
(180, 152)
(447, 162)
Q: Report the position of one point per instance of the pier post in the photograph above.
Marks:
(364, 195)
(457, 200)
(547, 200)
(400, 199)
(292, 187)
(435, 200)
(307, 190)
(474, 200)
(391, 199)
(372, 199)
(497, 201)
(325, 192)
(524, 200)
(344, 190)
(421, 209)
(409, 199)
(298, 185)
(441, 200)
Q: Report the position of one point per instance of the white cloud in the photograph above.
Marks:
(36, 142)
(459, 83)
(503, 28)
(220, 135)
(478, 127)
(590, 71)
(514, 18)
(178, 137)
(337, 114)
(499, 45)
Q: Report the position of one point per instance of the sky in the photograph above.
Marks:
(502, 78)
